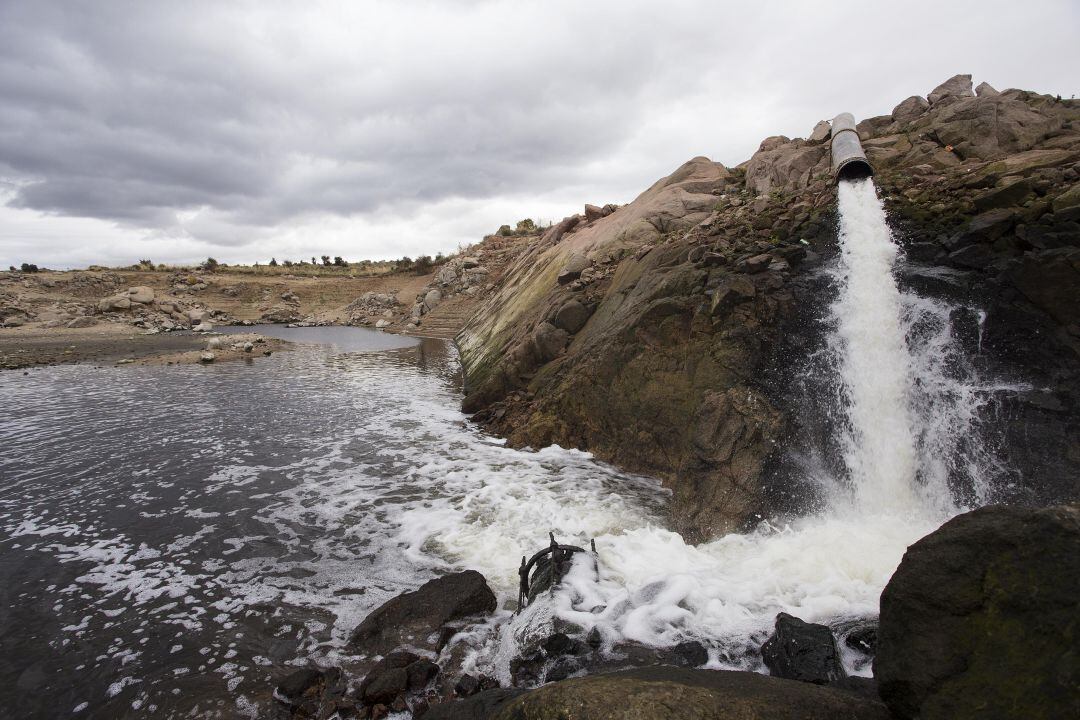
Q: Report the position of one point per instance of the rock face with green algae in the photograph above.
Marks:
(682, 694)
(982, 619)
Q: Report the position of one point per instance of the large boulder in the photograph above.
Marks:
(958, 86)
(910, 109)
(786, 166)
(981, 619)
(573, 268)
(572, 316)
(799, 650)
(675, 693)
(141, 294)
(410, 618)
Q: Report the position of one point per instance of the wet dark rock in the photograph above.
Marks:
(863, 639)
(387, 678)
(420, 674)
(387, 686)
(482, 706)
(799, 650)
(681, 694)
(467, 685)
(412, 617)
(690, 654)
(557, 644)
(862, 686)
(313, 692)
(561, 669)
(299, 686)
(980, 620)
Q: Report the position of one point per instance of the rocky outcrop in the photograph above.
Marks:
(981, 619)
(704, 297)
(798, 650)
(668, 692)
(412, 617)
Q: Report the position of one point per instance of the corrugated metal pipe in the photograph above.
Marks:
(848, 160)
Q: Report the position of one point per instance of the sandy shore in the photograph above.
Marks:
(116, 343)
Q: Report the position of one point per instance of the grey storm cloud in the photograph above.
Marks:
(262, 114)
(126, 111)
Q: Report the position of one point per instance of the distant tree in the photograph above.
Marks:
(325, 259)
(273, 262)
(439, 257)
(526, 226)
(147, 263)
(422, 264)
(12, 268)
(339, 261)
(28, 268)
(506, 230)
(313, 260)
(210, 264)
(287, 263)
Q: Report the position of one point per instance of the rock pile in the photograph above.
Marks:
(373, 308)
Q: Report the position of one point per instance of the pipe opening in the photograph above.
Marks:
(854, 169)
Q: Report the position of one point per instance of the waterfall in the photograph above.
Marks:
(911, 399)
(875, 366)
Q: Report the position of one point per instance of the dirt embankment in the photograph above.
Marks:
(106, 316)
(142, 314)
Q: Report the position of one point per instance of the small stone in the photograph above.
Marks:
(756, 264)
(690, 654)
(207, 357)
(466, 685)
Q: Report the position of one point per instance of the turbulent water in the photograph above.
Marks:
(174, 539)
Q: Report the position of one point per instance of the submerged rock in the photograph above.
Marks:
(410, 618)
(804, 651)
(981, 619)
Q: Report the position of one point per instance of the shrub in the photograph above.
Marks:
(526, 226)
(505, 230)
(273, 262)
(326, 260)
(210, 264)
(339, 261)
(28, 268)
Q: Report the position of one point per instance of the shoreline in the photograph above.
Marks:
(117, 344)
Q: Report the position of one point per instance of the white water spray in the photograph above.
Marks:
(875, 364)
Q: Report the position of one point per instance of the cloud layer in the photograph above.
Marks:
(244, 130)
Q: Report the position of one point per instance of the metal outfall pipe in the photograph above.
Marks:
(848, 160)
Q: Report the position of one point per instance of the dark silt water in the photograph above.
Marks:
(174, 540)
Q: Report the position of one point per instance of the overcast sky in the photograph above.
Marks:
(176, 131)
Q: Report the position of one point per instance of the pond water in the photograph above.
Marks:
(174, 539)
